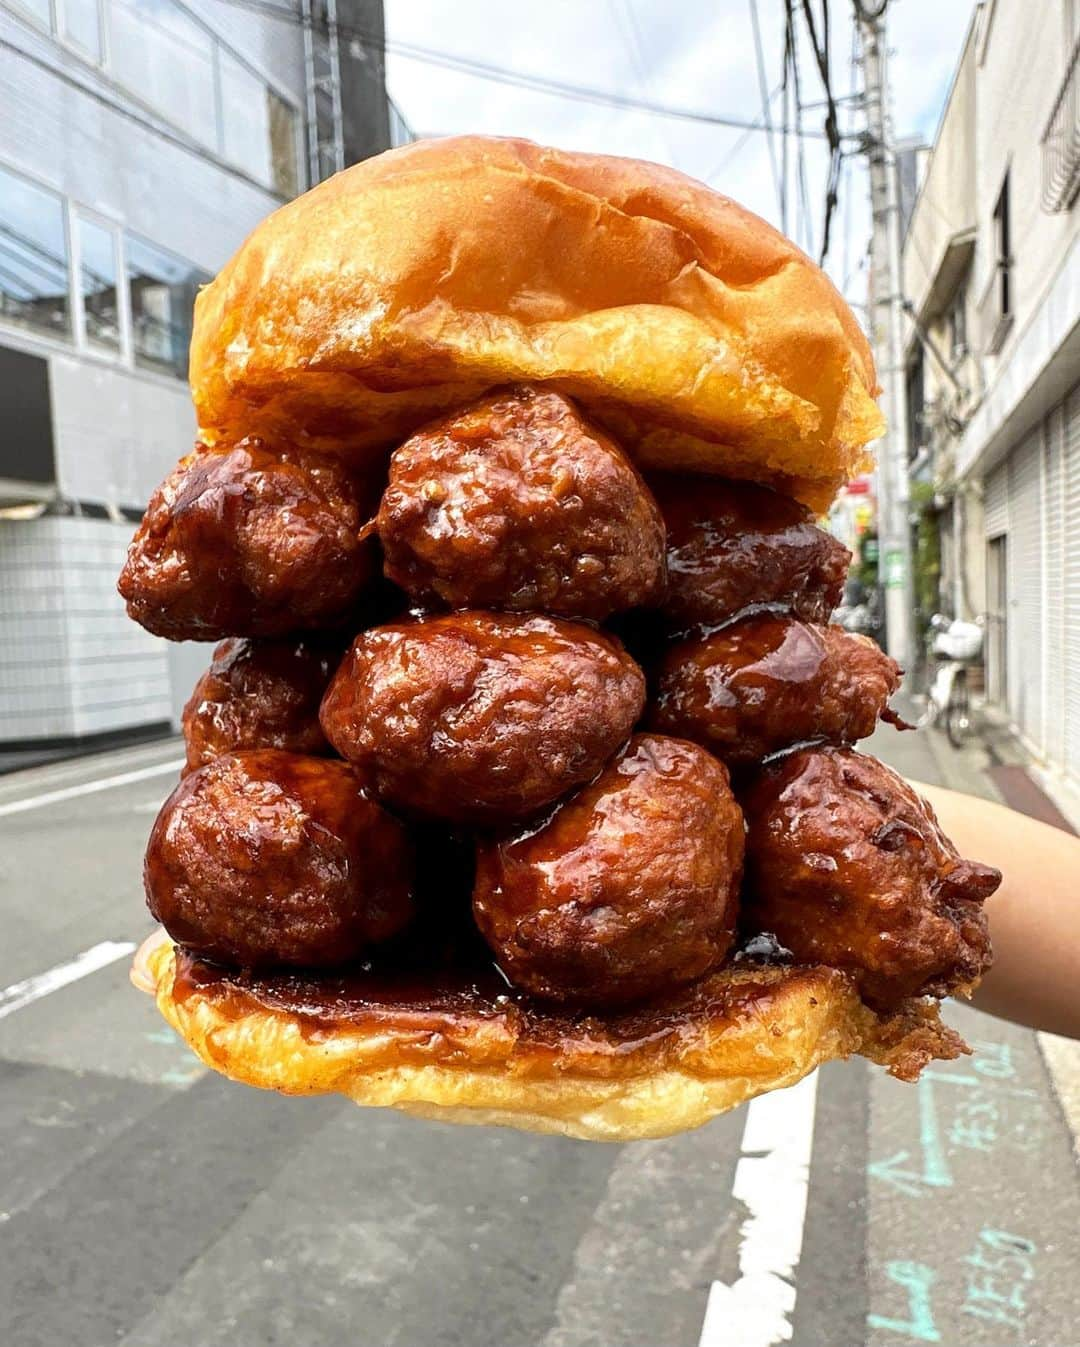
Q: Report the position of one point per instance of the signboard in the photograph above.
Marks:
(894, 570)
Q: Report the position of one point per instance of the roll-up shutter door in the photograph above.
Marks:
(1071, 551)
(1025, 621)
(1054, 585)
(996, 502)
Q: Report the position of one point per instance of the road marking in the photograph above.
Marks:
(64, 769)
(20, 994)
(91, 787)
(772, 1180)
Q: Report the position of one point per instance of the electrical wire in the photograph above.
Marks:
(820, 49)
(766, 99)
(517, 79)
(845, 183)
(637, 54)
(737, 147)
(785, 87)
(805, 235)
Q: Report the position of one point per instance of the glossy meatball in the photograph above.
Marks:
(733, 545)
(767, 682)
(260, 694)
(518, 503)
(847, 866)
(270, 859)
(481, 718)
(248, 542)
(628, 889)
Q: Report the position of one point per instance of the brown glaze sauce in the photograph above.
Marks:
(472, 1015)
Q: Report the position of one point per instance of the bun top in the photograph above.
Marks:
(694, 331)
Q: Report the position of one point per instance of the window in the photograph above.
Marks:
(1003, 259)
(958, 323)
(283, 149)
(170, 60)
(33, 257)
(916, 404)
(245, 118)
(167, 59)
(258, 128)
(97, 280)
(163, 289)
(82, 26)
(40, 9)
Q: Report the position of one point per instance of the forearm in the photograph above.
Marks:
(1035, 915)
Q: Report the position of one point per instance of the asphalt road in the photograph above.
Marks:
(146, 1202)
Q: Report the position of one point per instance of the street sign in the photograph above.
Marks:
(894, 570)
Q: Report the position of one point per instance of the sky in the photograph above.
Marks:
(683, 53)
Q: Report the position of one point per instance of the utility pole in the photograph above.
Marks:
(887, 336)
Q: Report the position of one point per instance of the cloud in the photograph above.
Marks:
(672, 51)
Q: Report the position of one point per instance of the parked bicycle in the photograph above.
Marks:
(954, 646)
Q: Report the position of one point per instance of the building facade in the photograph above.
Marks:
(992, 279)
(140, 141)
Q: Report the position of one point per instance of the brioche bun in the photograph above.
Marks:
(621, 1077)
(698, 335)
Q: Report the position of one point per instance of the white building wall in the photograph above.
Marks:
(71, 663)
(1020, 448)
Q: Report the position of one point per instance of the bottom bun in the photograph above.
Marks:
(475, 1053)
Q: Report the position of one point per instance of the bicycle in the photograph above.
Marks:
(956, 645)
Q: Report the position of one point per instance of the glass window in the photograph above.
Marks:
(81, 25)
(283, 145)
(33, 257)
(259, 128)
(97, 277)
(958, 322)
(168, 59)
(245, 118)
(163, 289)
(40, 9)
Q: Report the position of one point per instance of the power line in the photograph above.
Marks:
(845, 256)
(832, 128)
(786, 91)
(730, 155)
(637, 54)
(766, 98)
(518, 79)
(792, 52)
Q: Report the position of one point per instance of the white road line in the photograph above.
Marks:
(772, 1179)
(20, 994)
(63, 769)
(90, 787)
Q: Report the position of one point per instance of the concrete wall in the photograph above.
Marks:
(71, 663)
(1022, 57)
(945, 204)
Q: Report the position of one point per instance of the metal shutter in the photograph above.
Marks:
(996, 502)
(1054, 586)
(1025, 629)
(1071, 550)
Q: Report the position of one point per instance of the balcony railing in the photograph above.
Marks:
(1061, 142)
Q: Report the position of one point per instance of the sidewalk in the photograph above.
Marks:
(993, 765)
